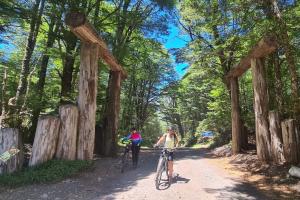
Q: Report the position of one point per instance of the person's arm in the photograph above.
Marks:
(126, 137)
(140, 139)
(161, 139)
(176, 140)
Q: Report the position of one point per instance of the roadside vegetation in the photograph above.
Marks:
(51, 171)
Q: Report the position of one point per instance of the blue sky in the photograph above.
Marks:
(176, 40)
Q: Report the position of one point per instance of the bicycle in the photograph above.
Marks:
(126, 156)
(162, 167)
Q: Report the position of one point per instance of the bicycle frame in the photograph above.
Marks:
(125, 157)
(161, 167)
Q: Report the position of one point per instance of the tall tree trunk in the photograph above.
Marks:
(261, 108)
(39, 89)
(284, 40)
(31, 41)
(278, 83)
(110, 121)
(236, 117)
(111, 114)
(3, 98)
(29, 80)
(97, 8)
(127, 114)
(179, 124)
(69, 59)
(87, 100)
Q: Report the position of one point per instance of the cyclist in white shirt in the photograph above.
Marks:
(170, 141)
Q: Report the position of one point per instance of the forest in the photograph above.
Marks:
(40, 64)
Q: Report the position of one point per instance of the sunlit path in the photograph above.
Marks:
(198, 179)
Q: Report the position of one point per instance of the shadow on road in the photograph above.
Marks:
(106, 182)
(239, 191)
(179, 179)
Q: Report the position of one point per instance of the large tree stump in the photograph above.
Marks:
(45, 140)
(276, 138)
(66, 146)
(235, 116)
(289, 137)
(261, 108)
(87, 100)
(10, 138)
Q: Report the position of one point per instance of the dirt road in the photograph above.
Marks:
(197, 178)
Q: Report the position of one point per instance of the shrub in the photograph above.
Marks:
(51, 171)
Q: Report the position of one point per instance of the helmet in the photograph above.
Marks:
(172, 127)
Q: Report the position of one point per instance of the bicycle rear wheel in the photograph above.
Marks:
(124, 162)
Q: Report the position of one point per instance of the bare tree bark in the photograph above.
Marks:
(290, 143)
(89, 56)
(11, 139)
(110, 121)
(276, 138)
(45, 140)
(261, 108)
(278, 83)
(236, 117)
(66, 146)
(3, 98)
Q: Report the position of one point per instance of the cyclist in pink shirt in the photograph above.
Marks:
(136, 140)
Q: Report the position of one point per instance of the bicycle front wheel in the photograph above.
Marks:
(159, 171)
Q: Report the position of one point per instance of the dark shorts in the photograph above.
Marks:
(170, 156)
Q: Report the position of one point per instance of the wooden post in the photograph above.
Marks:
(80, 26)
(264, 47)
(289, 137)
(261, 106)
(87, 100)
(276, 138)
(11, 138)
(45, 140)
(298, 140)
(66, 147)
(235, 116)
(112, 115)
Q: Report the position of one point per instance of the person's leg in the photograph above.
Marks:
(137, 151)
(133, 150)
(170, 165)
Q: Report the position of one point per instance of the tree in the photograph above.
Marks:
(35, 23)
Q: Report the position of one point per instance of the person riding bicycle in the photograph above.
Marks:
(170, 140)
(136, 140)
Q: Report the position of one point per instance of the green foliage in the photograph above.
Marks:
(220, 139)
(189, 140)
(152, 131)
(221, 33)
(51, 171)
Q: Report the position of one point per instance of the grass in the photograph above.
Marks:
(51, 171)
